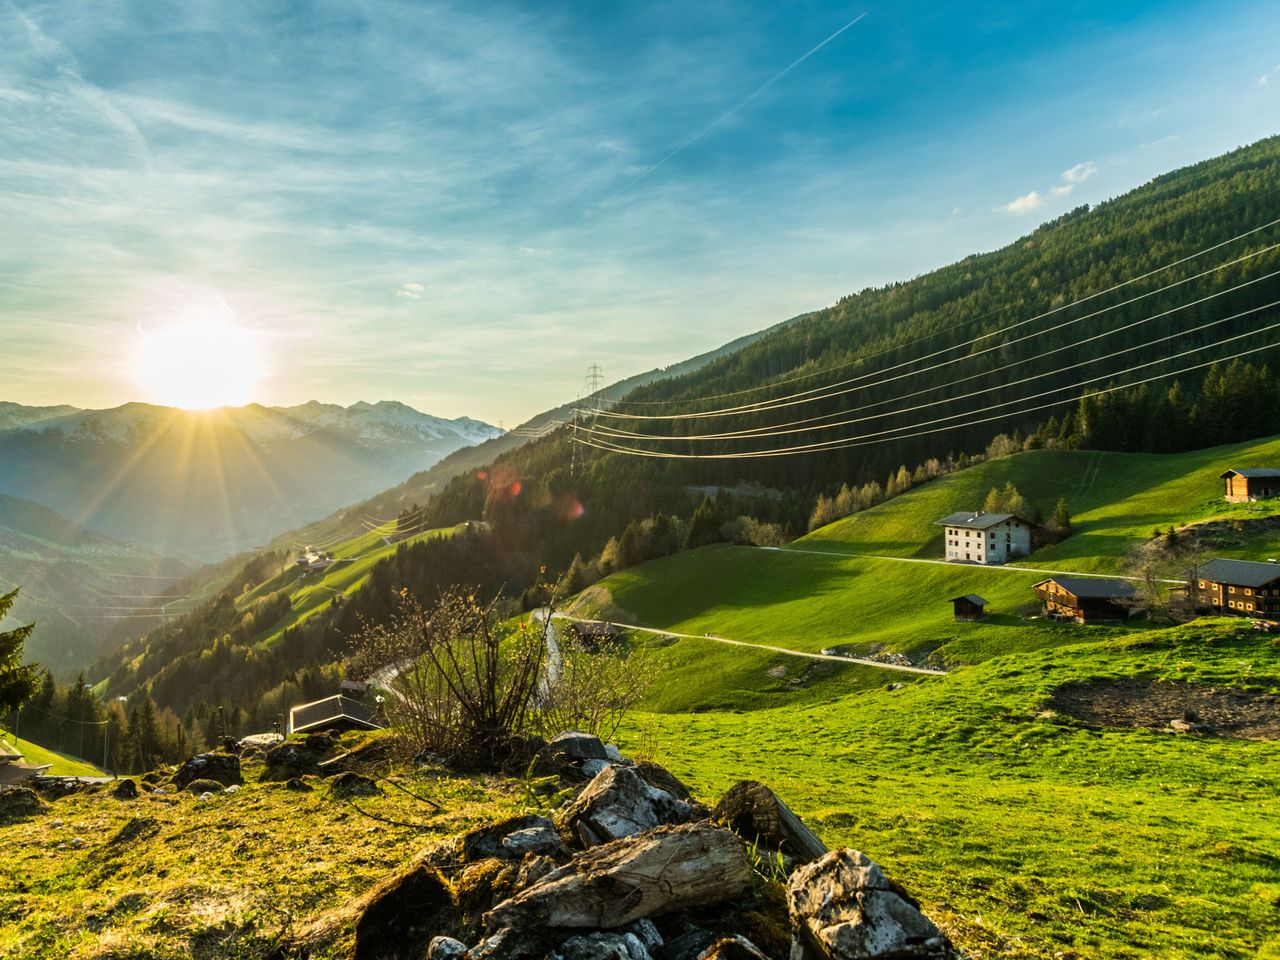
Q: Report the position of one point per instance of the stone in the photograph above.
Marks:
(613, 754)
(533, 869)
(732, 948)
(222, 767)
(350, 784)
(540, 839)
(204, 786)
(234, 788)
(652, 873)
(298, 784)
(577, 746)
(488, 842)
(446, 948)
(646, 932)
(660, 777)
(843, 907)
(687, 946)
(602, 946)
(19, 803)
(125, 790)
(297, 758)
(618, 803)
(593, 768)
(403, 909)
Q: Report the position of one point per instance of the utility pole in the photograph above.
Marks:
(592, 384)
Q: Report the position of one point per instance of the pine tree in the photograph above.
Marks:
(1061, 520)
(704, 528)
(18, 681)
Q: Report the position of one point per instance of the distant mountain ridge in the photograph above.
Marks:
(204, 484)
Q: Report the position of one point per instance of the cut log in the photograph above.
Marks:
(666, 869)
(756, 814)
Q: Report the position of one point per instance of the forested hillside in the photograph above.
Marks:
(1028, 346)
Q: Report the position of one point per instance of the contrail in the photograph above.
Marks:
(734, 109)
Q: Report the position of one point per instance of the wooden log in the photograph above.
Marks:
(657, 872)
(755, 813)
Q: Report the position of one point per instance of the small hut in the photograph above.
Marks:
(333, 714)
(969, 608)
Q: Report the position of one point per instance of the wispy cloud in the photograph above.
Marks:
(1025, 203)
(1265, 79)
(410, 291)
(1070, 179)
(1080, 172)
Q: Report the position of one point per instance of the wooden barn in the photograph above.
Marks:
(1244, 587)
(1084, 599)
(1243, 486)
(969, 608)
(332, 714)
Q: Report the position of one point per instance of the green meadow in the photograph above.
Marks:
(60, 764)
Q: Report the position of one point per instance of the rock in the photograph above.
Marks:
(755, 813)
(362, 758)
(234, 788)
(489, 842)
(297, 783)
(540, 839)
(1187, 725)
(646, 932)
(509, 944)
(401, 912)
(687, 946)
(56, 822)
(619, 803)
(593, 768)
(297, 758)
(446, 948)
(662, 778)
(353, 785)
(843, 907)
(665, 869)
(602, 946)
(534, 869)
(125, 790)
(204, 786)
(577, 746)
(613, 754)
(77, 843)
(19, 803)
(228, 744)
(732, 948)
(222, 767)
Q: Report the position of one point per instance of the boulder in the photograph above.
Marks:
(540, 840)
(662, 870)
(18, 803)
(490, 842)
(297, 758)
(659, 776)
(221, 767)
(844, 908)
(755, 813)
(619, 803)
(298, 784)
(354, 785)
(126, 789)
(614, 754)
(577, 746)
(593, 768)
(401, 912)
(204, 786)
(533, 869)
(602, 946)
(446, 948)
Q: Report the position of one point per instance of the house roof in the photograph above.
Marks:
(979, 520)
(972, 598)
(1253, 473)
(1091, 588)
(594, 628)
(308, 716)
(1240, 573)
(8, 753)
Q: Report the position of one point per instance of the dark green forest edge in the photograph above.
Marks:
(578, 516)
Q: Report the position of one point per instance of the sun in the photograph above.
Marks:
(198, 362)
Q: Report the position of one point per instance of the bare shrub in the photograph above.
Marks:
(594, 689)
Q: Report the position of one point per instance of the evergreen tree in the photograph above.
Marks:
(18, 681)
(1060, 523)
(704, 526)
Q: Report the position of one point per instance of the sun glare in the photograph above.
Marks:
(198, 363)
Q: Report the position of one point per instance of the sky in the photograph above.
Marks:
(463, 206)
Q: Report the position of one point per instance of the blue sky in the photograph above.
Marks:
(448, 204)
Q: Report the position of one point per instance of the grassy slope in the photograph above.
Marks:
(808, 601)
(59, 763)
(222, 878)
(1024, 833)
(311, 592)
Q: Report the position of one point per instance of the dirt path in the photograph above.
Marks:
(764, 646)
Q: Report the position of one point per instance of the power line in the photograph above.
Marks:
(882, 437)
(805, 396)
(983, 316)
(778, 429)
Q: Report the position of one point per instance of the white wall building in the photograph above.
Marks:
(991, 538)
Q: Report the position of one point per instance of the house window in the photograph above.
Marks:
(1248, 592)
(1201, 584)
(1231, 589)
(1248, 606)
(1231, 604)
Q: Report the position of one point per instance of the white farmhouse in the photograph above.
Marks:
(986, 537)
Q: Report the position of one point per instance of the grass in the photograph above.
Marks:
(174, 877)
(1026, 834)
(60, 764)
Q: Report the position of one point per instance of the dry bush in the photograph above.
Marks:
(594, 689)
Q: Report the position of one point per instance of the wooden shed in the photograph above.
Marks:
(1084, 599)
(1255, 483)
(1243, 587)
(968, 608)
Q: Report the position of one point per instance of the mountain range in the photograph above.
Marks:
(202, 485)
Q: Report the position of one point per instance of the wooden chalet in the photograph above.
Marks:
(969, 608)
(13, 771)
(591, 633)
(331, 714)
(1255, 483)
(1244, 587)
(1085, 599)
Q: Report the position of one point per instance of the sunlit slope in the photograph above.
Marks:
(311, 592)
(1115, 499)
(60, 764)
